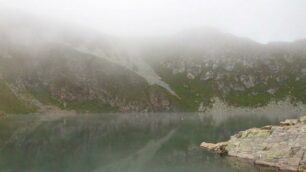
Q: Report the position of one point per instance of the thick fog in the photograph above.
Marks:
(261, 20)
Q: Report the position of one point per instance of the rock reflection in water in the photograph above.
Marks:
(119, 142)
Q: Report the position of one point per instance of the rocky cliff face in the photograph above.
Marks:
(77, 69)
(282, 147)
(201, 66)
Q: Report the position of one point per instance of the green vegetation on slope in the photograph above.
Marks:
(286, 82)
(191, 92)
(45, 97)
(9, 103)
(93, 106)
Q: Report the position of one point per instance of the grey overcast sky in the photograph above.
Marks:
(260, 20)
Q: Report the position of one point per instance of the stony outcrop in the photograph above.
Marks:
(282, 146)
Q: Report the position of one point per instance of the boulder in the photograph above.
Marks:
(218, 148)
(289, 122)
(282, 147)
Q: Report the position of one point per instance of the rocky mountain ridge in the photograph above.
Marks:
(48, 65)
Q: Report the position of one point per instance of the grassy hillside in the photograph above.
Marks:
(242, 86)
(9, 103)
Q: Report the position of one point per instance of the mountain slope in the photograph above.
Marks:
(69, 79)
(47, 66)
(201, 66)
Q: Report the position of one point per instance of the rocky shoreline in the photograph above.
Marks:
(282, 147)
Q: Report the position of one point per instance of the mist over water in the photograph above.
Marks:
(137, 85)
(133, 142)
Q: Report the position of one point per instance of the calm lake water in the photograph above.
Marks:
(158, 142)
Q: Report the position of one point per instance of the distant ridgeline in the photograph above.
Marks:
(43, 69)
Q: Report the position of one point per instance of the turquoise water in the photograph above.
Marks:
(158, 142)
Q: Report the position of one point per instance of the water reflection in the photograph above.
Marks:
(121, 142)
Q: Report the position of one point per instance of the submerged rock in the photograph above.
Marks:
(282, 147)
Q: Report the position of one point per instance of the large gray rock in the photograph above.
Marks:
(282, 147)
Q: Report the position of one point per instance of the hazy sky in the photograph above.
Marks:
(261, 20)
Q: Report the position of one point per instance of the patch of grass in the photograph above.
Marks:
(93, 106)
(9, 103)
(191, 92)
(242, 99)
(45, 97)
